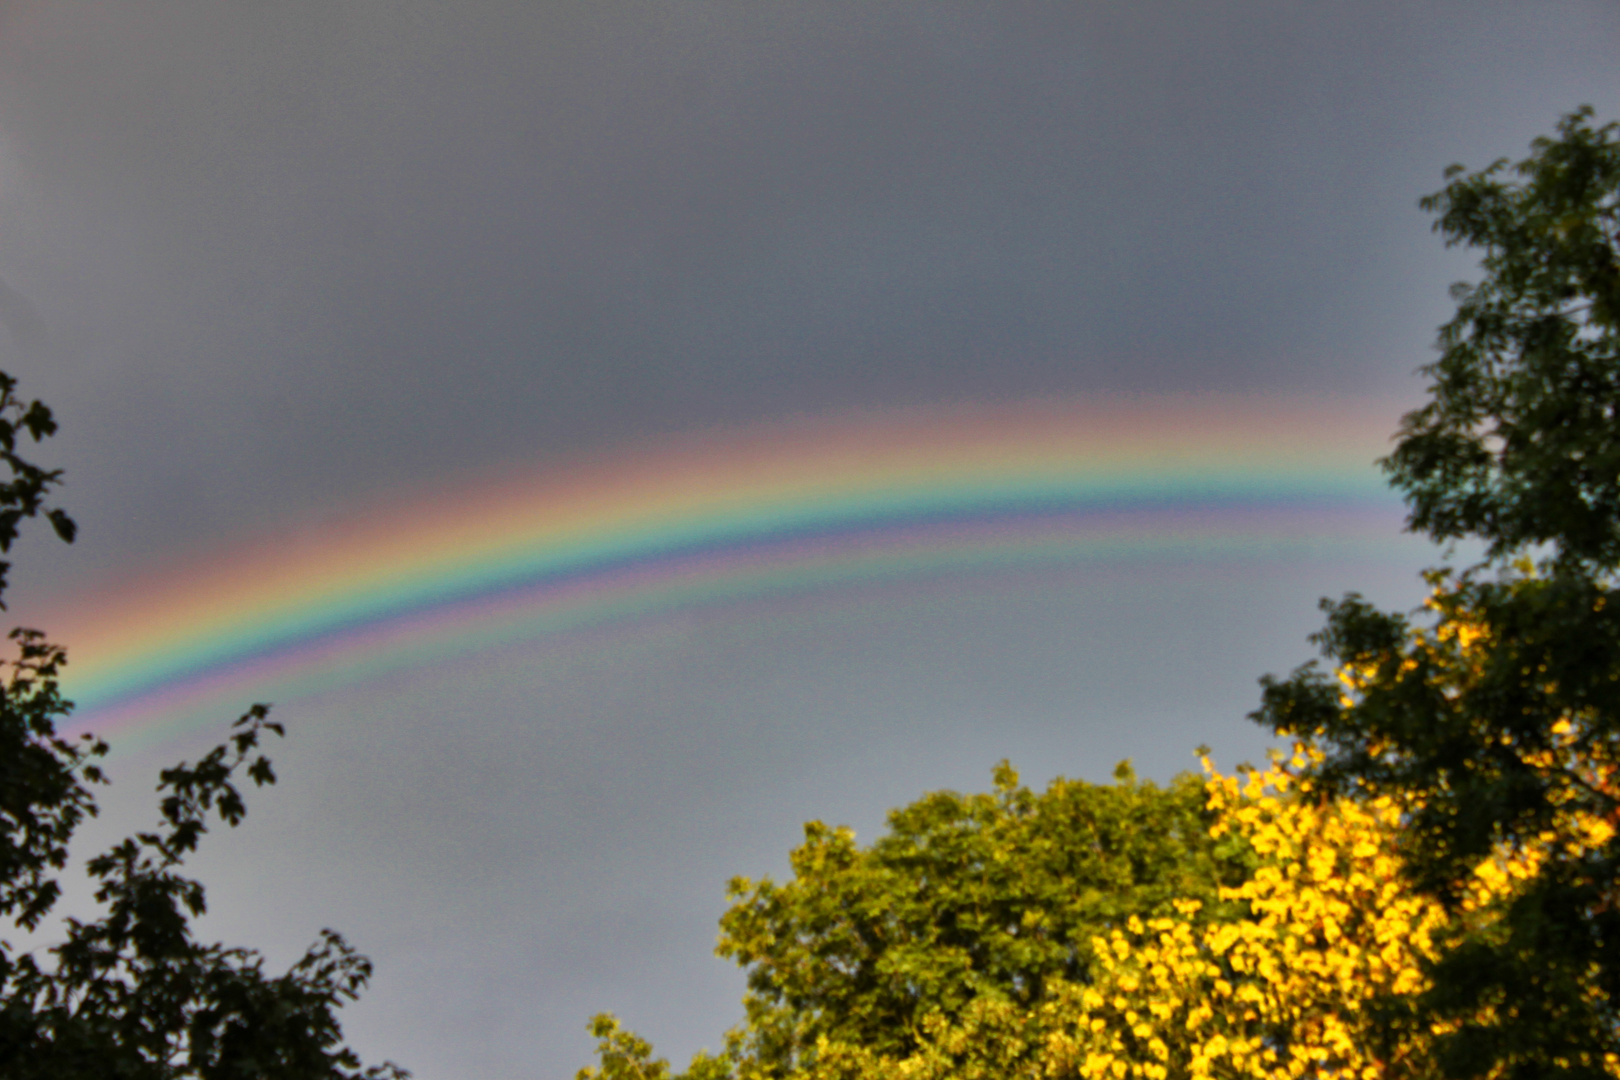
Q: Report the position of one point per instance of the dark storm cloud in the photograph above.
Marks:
(368, 242)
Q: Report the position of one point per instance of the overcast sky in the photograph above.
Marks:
(298, 256)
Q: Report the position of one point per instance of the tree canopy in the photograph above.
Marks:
(1494, 714)
(132, 994)
(1518, 444)
(966, 897)
(1293, 948)
(967, 901)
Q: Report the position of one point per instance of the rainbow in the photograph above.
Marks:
(732, 517)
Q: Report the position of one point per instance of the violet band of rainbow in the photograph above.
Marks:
(729, 518)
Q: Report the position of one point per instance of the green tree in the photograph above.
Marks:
(132, 995)
(969, 903)
(1496, 714)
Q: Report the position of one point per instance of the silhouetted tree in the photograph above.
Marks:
(1496, 717)
(132, 994)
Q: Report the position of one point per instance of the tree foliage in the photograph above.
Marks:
(1323, 973)
(1303, 956)
(1495, 715)
(1496, 726)
(970, 906)
(132, 994)
(1519, 443)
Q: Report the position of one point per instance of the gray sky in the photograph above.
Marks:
(296, 256)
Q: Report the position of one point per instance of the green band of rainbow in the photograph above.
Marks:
(729, 518)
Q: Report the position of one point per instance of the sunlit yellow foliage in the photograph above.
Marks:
(1305, 980)
(1283, 991)
(1286, 991)
(1332, 931)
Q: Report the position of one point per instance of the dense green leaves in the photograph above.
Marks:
(967, 895)
(1519, 443)
(1496, 716)
(1497, 724)
(967, 899)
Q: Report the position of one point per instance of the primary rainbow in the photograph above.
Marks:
(724, 518)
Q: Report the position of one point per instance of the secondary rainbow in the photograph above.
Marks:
(723, 518)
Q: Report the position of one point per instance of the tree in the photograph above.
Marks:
(1494, 716)
(1304, 959)
(1318, 973)
(1519, 444)
(972, 910)
(132, 995)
